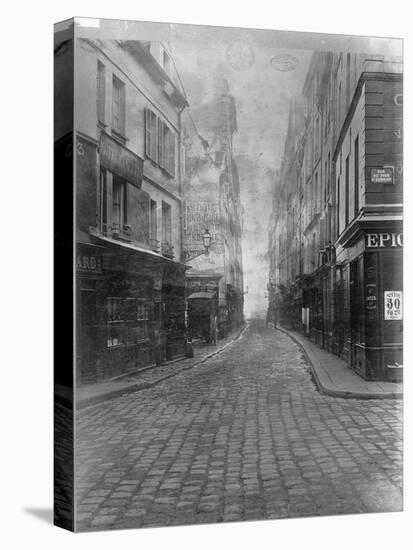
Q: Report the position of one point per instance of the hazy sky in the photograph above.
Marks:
(262, 91)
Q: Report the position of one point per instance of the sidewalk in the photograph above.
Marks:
(147, 377)
(333, 376)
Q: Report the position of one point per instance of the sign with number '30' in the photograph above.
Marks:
(393, 300)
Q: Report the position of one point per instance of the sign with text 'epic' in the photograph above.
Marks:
(120, 161)
(384, 240)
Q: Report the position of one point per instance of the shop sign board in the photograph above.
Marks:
(120, 160)
(384, 240)
(87, 262)
(201, 215)
(382, 175)
(393, 300)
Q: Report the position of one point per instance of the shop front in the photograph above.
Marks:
(211, 305)
(375, 292)
(314, 301)
(173, 298)
(124, 311)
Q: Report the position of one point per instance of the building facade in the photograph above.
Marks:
(212, 202)
(130, 277)
(335, 241)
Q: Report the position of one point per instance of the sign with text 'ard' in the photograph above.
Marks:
(393, 303)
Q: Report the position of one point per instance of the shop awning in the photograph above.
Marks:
(201, 295)
(135, 248)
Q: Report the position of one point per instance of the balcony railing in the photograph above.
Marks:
(167, 250)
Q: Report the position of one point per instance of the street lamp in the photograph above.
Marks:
(206, 239)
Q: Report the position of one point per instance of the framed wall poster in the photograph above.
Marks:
(229, 236)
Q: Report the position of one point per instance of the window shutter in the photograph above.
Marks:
(101, 91)
(147, 133)
(122, 109)
(154, 137)
(171, 162)
(161, 143)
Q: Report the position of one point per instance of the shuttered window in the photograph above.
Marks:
(118, 106)
(100, 92)
(160, 142)
(171, 154)
(151, 141)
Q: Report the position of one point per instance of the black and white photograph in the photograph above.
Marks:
(233, 232)
(205, 267)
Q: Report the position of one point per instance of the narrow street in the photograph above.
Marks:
(244, 436)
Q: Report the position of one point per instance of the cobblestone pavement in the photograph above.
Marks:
(244, 436)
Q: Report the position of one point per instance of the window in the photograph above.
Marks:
(347, 197)
(356, 176)
(166, 62)
(328, 176)
(100, 92)
(115, 321)
(330, 100)
(166, 148)
(339, 107)
(118, 106)
(127, 321)
(103, 201)
(159, 142)
(338, 213)
(348, 79)
(154, 225)
(166, 223)
(151, 135)
(166, 230)
(313, 252)
(119, 203)
(154, 228)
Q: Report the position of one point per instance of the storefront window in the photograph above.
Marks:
(115, 322)
(128, 321)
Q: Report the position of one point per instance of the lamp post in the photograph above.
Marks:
(206, 241)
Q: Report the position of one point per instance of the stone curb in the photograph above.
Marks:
(87, 402)
(336, 392)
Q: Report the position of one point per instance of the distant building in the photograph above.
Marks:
(130, 277)
(335, 240)
(212, 202)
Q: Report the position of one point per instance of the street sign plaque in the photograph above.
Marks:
(382, 175)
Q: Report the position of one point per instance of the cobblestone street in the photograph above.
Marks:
(243, 436)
